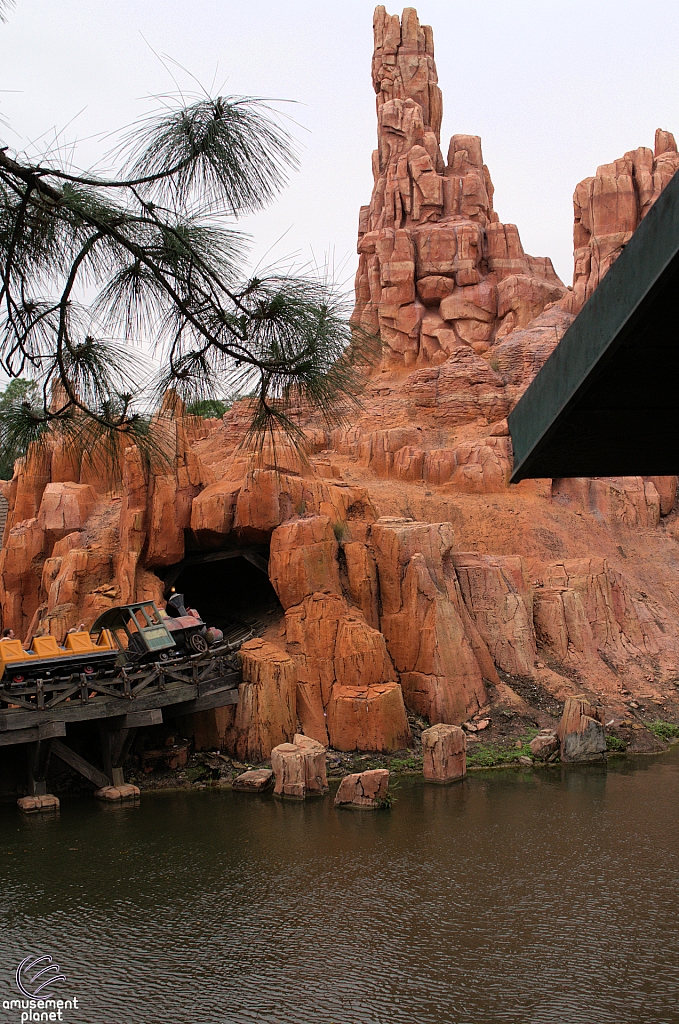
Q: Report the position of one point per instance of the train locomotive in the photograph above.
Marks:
(125, 637)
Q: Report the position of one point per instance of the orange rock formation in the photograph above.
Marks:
(411, 576)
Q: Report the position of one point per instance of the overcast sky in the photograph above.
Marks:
(554, 88)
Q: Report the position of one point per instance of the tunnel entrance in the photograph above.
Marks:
(230, 589)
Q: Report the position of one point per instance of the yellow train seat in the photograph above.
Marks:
(79, 643)
(105, 641)
(46, 647)
(11, 650)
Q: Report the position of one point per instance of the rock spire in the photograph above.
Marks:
(437, 269)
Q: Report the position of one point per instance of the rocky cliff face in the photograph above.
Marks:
(611, 205)
(410, 575)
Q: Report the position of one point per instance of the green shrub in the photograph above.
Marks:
(663, 730)
(615, 743)
(397, 764)
(208, 408)
(490, 756)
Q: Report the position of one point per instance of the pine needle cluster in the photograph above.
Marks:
(94, 267)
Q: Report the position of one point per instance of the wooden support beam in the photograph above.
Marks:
(121, 748)
(100, 707)
(115, 746)
(38, 763)
(134, 720)
(216, 699)
(46, 731)
(117, 736)
(80, 765)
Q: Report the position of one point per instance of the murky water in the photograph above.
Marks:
(520, 897)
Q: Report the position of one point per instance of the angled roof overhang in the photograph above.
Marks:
(606, 402)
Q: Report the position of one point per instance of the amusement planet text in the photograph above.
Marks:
(40, 1009)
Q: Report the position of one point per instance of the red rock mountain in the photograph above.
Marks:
(410, 574)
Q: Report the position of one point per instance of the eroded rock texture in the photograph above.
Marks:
(444, 751)
(438, 271)
(368, 790)
(610, 206)
(581, 731)
(410, 575)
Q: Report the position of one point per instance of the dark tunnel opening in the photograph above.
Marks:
(227, 592)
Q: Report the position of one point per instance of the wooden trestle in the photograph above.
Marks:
(37, 714)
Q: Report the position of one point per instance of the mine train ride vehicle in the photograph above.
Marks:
(127, 636)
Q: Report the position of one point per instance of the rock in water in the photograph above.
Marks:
(364, 789)
(255, 781)
(287, 762)
(444, 748)
(299, 768)
(544, 744)
(581, 731)
(315, 777)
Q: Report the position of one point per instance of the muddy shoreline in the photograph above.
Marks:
(163, 760)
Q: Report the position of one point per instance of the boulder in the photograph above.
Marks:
(463, 389)
(608, 207)
(591, 617)
(213, 510)
(311, 713)
(544, 744)
(526, 297)
(169, 515)
(498, 595)
(369, 717)
(21, 563)
(666, 486)
(362, 579)
(289, 768)
(581, 731)
(266, 711)
(265, 714)
(166, 758)
(364, 789)
(315, 778)
(257, 780)
(520, 354)
(444, 749)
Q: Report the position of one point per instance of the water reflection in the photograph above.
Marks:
(528, 897)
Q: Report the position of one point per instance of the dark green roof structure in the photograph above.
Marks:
(606, 402)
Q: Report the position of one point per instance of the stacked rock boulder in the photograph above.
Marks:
(299, 768)
(444, 753)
